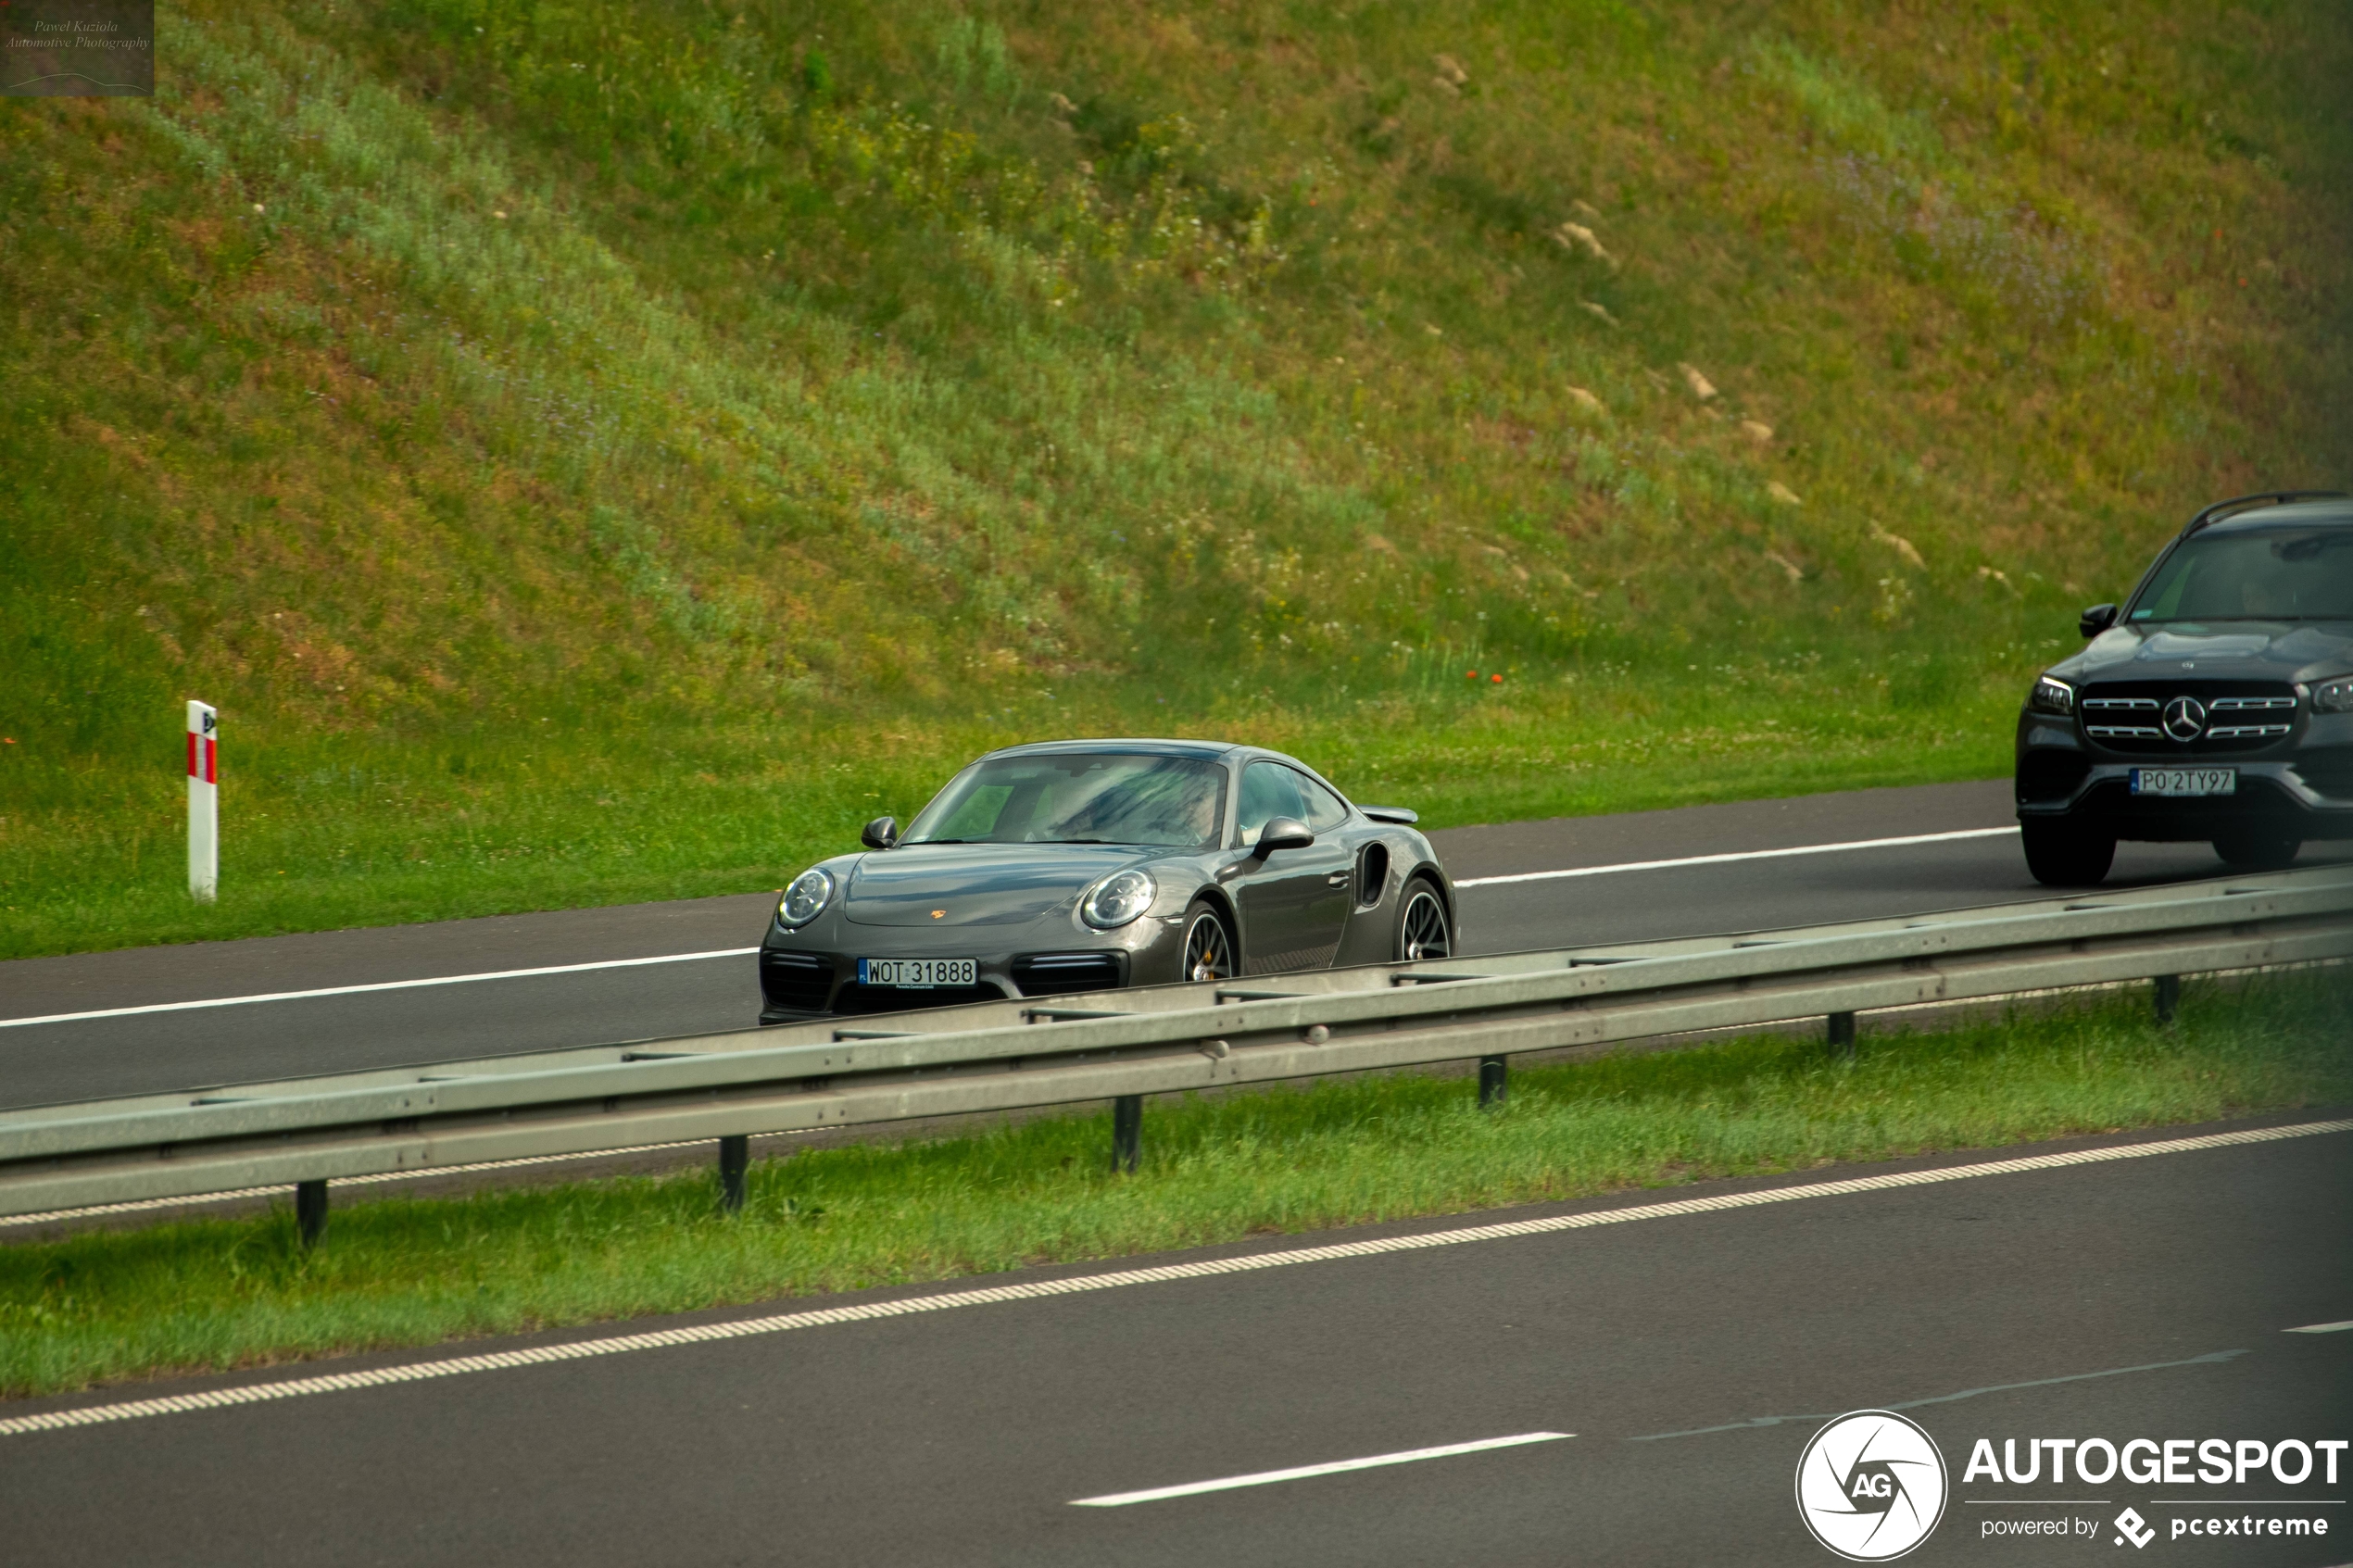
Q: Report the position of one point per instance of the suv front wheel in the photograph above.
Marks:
(2064, 856)
(2258, 851)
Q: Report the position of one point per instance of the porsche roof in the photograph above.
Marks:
(1204, 748)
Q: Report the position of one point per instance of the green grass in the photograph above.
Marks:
(504, 409)
(213, 1294)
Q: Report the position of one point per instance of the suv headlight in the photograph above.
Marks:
(806, 899)
(2333, 696)
(2051, 695)
(1117, 899)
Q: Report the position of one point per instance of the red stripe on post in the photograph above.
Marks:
(192, 755)
(211, 760)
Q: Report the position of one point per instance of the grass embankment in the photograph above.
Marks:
(560, 438)
(201, 1295)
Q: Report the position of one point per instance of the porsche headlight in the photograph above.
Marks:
(2333, 696)
(1117, 899)
(806, 899)
(2051, 695)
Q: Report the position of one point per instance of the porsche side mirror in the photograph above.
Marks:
(880, 833)
(1282, 833)
(2096, 620)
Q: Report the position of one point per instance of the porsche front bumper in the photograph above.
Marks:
(813, 971)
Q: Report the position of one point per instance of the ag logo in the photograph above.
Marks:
(1871, 1485)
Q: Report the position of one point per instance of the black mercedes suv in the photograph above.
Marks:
(2216, 706)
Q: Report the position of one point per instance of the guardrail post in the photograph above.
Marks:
(2167, 992)
(1494, 1081)
(1840, 1034)
(310, 1212)
(1127, 1132)
(735, 1159)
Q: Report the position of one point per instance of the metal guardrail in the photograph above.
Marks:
(1123, 1045)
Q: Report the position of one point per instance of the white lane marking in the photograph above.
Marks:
(742, 952)
(1267, 1477)
(379, 985)
(1739, 855)
(865, 1312)
(2321, 1328)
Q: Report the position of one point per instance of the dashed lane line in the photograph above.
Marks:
(1301, 1473)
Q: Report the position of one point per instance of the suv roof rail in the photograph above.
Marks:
(2238, 504)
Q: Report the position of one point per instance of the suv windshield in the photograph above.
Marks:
(2305, 574)
(1092, 797)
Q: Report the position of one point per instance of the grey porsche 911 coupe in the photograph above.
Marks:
(1085, 865)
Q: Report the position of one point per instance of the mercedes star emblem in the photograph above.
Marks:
(2185, 719)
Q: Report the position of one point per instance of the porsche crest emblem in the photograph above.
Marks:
(939, 914)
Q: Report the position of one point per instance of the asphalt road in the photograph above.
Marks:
(89, 1057)
(1692, 1356)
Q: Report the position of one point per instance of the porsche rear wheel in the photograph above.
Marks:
(1423, 930)
(1209, 946)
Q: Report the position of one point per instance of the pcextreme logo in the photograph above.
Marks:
(1872, 1485)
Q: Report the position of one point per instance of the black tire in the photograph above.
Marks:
(2061, 855)
(1210, 952)
(2258, 851)
(1424, 928)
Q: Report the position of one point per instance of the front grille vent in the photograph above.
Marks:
(2240, 715)
(2231, 718)
(2121, 718)
(856, 998)
(797, 981)
(1060, 974)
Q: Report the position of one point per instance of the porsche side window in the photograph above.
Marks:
(1324, 812)
(1269, 789)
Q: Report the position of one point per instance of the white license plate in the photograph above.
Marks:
(918, 974)
(2185, 781)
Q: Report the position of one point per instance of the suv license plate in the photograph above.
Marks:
(918, 974)
(2185, 781)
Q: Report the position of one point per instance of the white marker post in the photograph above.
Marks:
(204, 801)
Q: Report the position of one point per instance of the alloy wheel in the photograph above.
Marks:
(1422, 933)
(1209, 952)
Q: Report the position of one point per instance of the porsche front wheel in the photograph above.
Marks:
(1209, 946)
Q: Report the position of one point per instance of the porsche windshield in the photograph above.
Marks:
(1100, 798)
(2303, 575)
